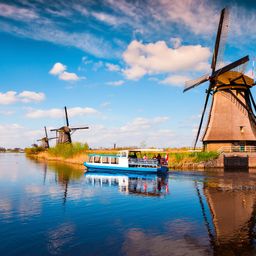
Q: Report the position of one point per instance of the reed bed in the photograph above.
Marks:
(68, 150)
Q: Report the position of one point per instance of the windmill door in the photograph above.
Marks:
(234, 163)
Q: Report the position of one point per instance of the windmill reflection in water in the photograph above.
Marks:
(228, 207)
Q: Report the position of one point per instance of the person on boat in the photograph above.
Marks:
(145, 157)
(133, 155)
(158, 158)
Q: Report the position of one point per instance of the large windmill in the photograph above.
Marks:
(64, 133)
(45, 140)
(231, 118)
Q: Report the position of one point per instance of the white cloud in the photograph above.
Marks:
(47, 30)
(68, 76)
(10, 135)
(29, 96)
(107, 18)
(7, 112)
(59, 70)
(194, 14)
(149, 130)
(17, 13)
(8, 97)
(11, 97)
(59, 113)
(116, 83)
(105, 104)
(175, 80)
(156, 58)
(113, 67)
(141, 124)
(85, 60)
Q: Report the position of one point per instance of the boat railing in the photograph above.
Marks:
(143, 162)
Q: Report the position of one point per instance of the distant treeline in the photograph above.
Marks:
(11, 150)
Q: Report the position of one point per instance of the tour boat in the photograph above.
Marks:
(127, 160)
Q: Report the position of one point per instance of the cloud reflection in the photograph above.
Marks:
(139, 242)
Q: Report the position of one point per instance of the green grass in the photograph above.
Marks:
(68, 150)
(204, 156)
(178, 159)
(34, 150)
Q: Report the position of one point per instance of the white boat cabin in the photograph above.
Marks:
(124, 158)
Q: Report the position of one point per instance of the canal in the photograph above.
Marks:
(55, 209)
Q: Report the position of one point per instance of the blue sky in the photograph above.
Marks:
(119, 67)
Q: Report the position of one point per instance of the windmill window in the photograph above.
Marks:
(242, 129)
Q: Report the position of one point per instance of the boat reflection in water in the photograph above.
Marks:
(131, 183)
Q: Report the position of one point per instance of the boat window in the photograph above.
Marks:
(105, 160)
(123, 154)
(97, 159)
(91, 159)
(114, 160)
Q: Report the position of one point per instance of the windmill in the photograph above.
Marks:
(64, 133)
(45, 140)
(231, 118)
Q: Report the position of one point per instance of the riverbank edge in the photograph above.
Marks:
(79, 160)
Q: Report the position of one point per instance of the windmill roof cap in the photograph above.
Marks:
(235, 77)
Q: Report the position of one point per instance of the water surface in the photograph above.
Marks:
(55, 209)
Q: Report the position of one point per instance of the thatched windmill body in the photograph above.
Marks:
(45, 140)
(231, 118)
(63, 133)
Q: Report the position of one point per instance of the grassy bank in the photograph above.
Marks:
(184, 159)
(77, 153)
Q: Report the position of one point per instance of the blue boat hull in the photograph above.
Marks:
(94, 168)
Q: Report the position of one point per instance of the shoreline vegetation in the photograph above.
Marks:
(77, 153)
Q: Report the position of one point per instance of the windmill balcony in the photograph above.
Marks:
(241, 148)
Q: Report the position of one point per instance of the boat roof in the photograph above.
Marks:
(145, 150)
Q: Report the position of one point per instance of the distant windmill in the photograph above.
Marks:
(64, 133)
(231, 118)
(45, 140)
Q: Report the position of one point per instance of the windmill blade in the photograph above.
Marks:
(78, 128)
(229, 67)
(252, 100)
(55, 130)
(242, 68)
(52, 138)
(66, 115)
(193, 83)
(202, 117)
(45, 130)
(220, 38)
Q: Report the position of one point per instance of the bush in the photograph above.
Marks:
(34, 150)
(68, 150)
